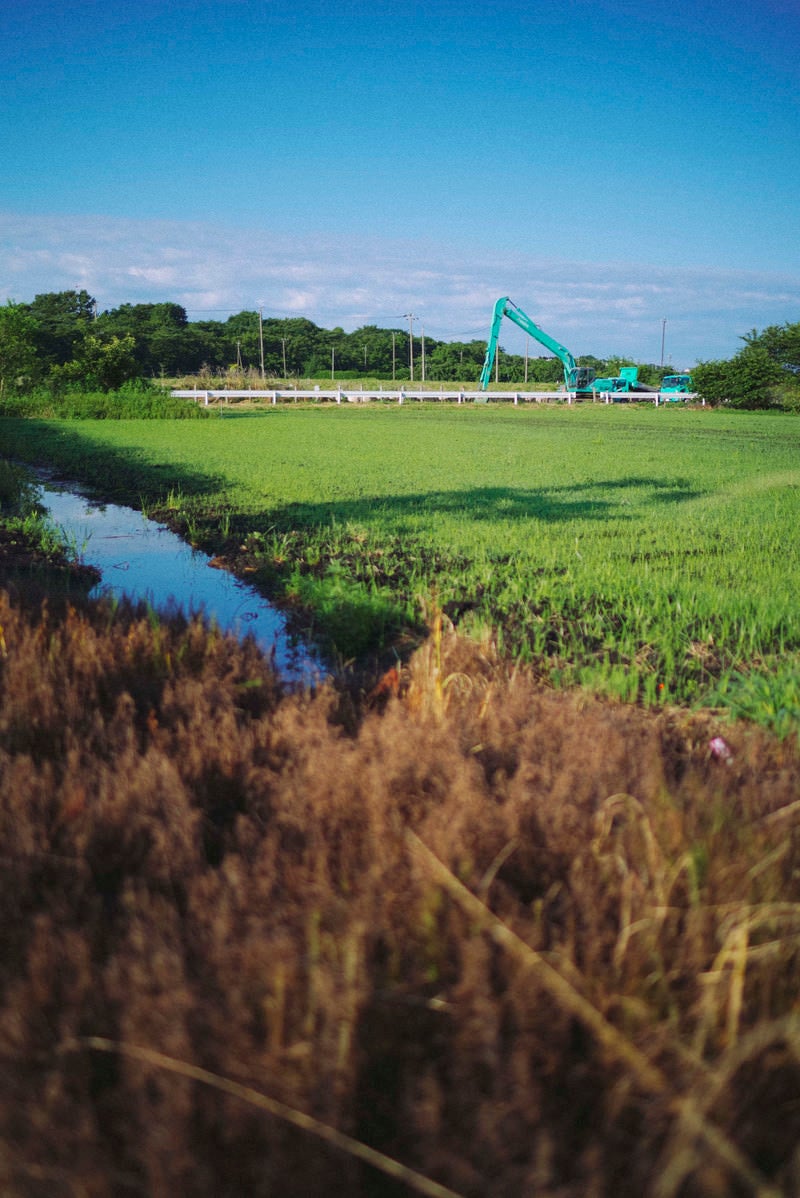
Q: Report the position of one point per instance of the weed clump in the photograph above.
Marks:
(132, 401)
(485, 939)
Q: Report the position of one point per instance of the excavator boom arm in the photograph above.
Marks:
(504, 307)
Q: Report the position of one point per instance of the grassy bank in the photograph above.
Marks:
(35, 563)
(133, 401)
(645, 553)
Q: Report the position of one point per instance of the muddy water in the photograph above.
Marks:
(144, 560)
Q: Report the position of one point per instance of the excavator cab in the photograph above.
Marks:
(580, 378)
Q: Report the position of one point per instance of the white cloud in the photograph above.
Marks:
(594, 307)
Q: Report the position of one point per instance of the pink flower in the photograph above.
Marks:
(721, 749)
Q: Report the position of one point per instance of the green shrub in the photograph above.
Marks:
(750, 380)
(134, 401)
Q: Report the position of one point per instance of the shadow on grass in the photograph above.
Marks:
(354, 613)
(124, 477)
(584, 501)
(357, 589)
(121, 476)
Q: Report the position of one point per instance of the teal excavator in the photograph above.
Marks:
(578, 379)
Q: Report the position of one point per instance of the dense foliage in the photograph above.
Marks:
(62, 339)
(765, 373)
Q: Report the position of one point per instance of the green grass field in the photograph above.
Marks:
(647, 553)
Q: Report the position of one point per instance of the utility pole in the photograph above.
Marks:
(261, 338)
(527, 339)
(422, 338)
(394, 357)
(333, 359)
(663, 332)
(283, 343)
(410, 317)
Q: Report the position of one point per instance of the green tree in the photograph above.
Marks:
(614, 364)
(298, 340)
(18, 361)
(456, 361)
(102, 365)
(652, 375)
(749, 380)
(61, 319)
(240, 335)
(369, 348)
(545, 370)
(713, 380)
(782, 344)
(164, 343)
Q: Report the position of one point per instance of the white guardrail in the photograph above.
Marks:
(351, 395)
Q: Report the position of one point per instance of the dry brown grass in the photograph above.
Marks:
(515, 942)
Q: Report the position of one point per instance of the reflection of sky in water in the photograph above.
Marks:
(144, 560)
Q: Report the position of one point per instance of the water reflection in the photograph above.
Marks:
(145, 560)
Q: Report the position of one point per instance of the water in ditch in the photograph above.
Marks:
(145, 560)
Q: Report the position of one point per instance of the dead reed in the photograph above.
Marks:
(485, 939)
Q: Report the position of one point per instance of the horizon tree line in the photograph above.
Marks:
(61, 340)
(62, 337)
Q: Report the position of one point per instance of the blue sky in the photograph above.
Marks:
(610, 165)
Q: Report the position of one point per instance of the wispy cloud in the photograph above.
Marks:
(594, 307)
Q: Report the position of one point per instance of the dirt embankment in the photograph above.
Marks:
(518, 942)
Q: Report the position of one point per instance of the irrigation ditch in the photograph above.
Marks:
(144, 560)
